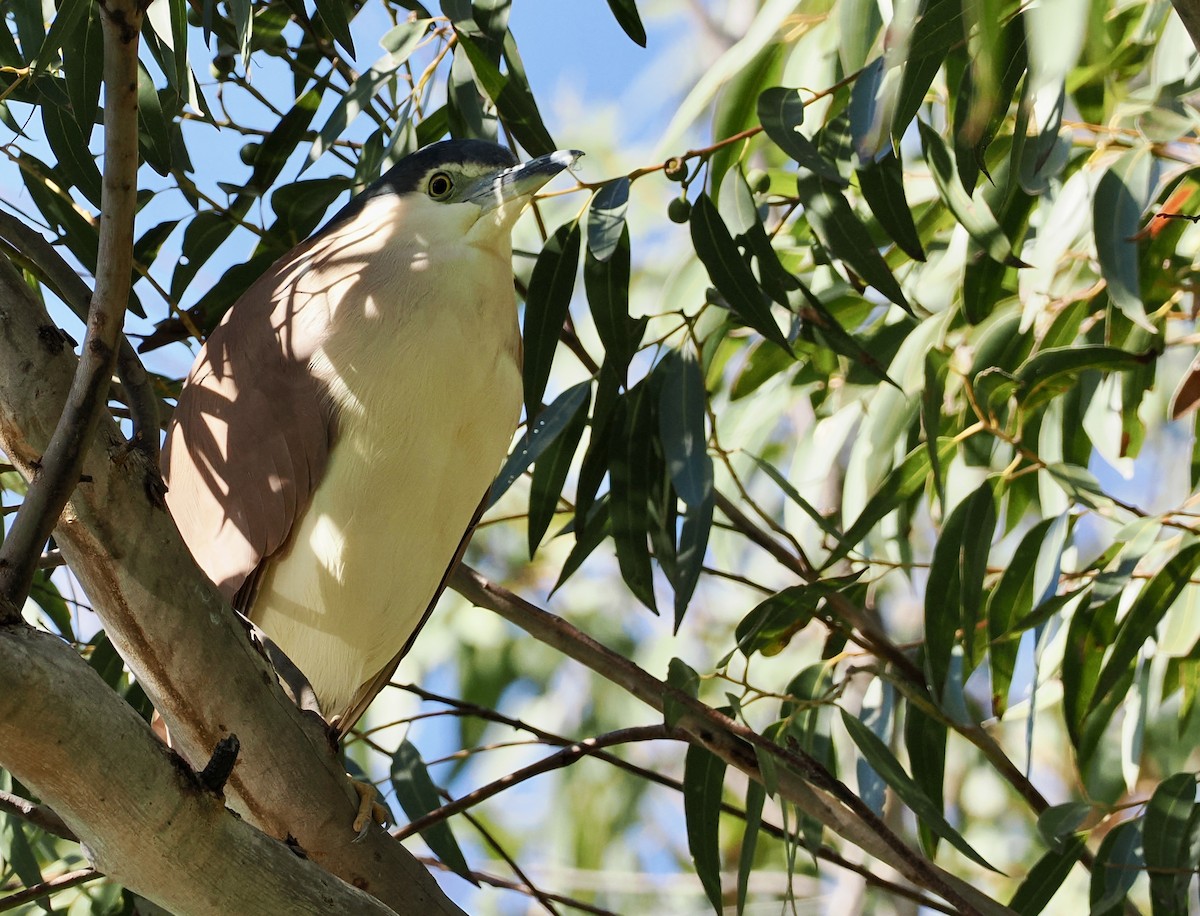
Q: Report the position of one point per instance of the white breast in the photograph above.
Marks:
(422, 364)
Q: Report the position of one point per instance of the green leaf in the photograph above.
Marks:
(551, 286)
(683, 678)
(1121, 196)
(540, 432)
(155, 132)
(846, 238)
(75, 162)
(606, 218)
(1058, 823)
(631, 469)
(1046, 877)
(769, 626)
(273, 153)
(937, 28)
(703, 779)
(681, 426)
(781, 112)
(587, 538)
(626, 14)
(68, 16)
(1169, 836)
(83, 70)
(693, 542)
(755, 797)
(887, 766)
(336, 15)
(44, 593)
(793, 494)
(357, 99)
(550, 475)
(418, 796)
(1010, 601)
(1118, 863)
(1052, 371)
(1140, 623)
(514, 102)
(971, 212)
(607, 286)
(901, 484)
(203, 236)
(882, 186)
(729, 273)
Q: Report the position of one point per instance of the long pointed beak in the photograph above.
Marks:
(520, 182)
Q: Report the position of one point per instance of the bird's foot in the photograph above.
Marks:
(369, 809)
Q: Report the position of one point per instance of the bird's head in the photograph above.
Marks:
(464, 188)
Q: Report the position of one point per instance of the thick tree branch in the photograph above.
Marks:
(145, 818)
(738, 746)
(58, 469)
(179, 638)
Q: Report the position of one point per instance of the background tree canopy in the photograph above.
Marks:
(858, 475)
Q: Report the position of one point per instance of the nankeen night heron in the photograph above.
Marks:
(340, 426)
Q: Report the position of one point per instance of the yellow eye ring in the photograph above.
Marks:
(440, 185)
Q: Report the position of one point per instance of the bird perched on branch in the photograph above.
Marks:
(341, 425)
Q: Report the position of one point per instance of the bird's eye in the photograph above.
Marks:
(440, 186)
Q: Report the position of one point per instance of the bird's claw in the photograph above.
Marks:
(369, 810)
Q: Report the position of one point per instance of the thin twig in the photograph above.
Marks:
(54, 885)
(59, 469)
(565, 757)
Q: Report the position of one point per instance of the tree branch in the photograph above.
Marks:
(153, 827)
(53, 886)
(736, 745)
(58, 470)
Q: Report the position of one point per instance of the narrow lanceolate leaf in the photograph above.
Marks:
(774, 621)
(1121, 196)
(357, 98)
(631, 466)
(846, 238)
(781, 112)
(542, 430)
(882, 184)
(887, 766)
(902, 483)
(703, 778)
(155, 133)
(943, 596)
(626, 14)
(514, 102)
(83, 69)
(606, 218)
(1052, 371)
(973, 560)
(729, 272)
(551, 286)
(334, 15)
(681, 429)
(550, 475)
(1059, 822)
(755, 796)
(1143, 618)
(418, 796)
(1046, 877)
(1010, 601)
(971, 212)
(681, 426)
(1169, 836)
(607, 285)
(75, 162)
(1118, 863)
(289, 130)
